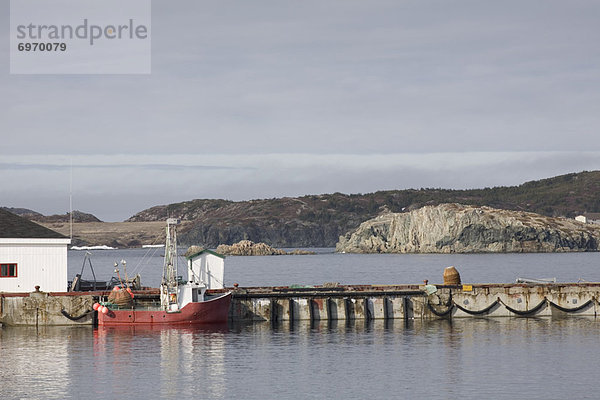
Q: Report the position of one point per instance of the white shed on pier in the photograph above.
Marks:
(31, 255)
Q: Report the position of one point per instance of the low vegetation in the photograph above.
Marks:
(319, 220)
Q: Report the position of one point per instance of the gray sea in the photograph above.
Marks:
(503, 358)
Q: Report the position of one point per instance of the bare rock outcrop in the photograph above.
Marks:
(455, 228)
(249, 248)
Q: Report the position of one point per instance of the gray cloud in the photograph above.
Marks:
(115, 190)
(511, 89)
(145, 167)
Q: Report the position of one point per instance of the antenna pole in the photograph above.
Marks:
(71, 201)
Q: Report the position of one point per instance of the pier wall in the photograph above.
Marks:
(415, 302)
(39, 308)
(356, 302)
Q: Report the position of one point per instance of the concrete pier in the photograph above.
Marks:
(351, 302)
(45, 309)
(364, 302)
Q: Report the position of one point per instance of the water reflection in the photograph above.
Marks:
(37, 360)
(452, 330)
(335, 359)
(186, 359)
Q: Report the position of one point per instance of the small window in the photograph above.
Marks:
(8, 270)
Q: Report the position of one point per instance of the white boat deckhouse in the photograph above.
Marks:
(207, 266)
(31, 255)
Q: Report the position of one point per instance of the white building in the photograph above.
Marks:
(31, 255)
(589, 218)
(208, 267)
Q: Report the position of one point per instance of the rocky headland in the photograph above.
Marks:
(456, 228)
(319, 220)
(35, 216)
(249, 248)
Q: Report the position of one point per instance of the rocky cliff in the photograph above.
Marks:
(309, 221)
(455, 228)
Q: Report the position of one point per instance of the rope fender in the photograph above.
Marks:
(451, 304)
(438, 313)
(69, 316)
(480, 312)
(526, 312)
(572, 310)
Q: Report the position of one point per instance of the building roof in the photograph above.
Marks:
(14, 227)
(195, 251)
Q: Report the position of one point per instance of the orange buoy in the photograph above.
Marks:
(451, 276)
(95, 306)
(104, 310)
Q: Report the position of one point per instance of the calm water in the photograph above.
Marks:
(328, 266)
(508, 358)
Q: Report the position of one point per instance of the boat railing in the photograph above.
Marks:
(139, 307)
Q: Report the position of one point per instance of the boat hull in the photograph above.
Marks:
(212, 311)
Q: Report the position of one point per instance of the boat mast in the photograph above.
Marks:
(169, 289)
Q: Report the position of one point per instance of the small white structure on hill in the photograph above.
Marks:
(589, 218)
(208, 267)
(31, 255)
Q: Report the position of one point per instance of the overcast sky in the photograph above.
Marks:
(260, 99)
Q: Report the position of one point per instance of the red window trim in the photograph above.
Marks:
(9, 276)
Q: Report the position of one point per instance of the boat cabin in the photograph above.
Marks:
(207, 268)
(205, 271)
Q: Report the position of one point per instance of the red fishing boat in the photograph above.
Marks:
(182, 302)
